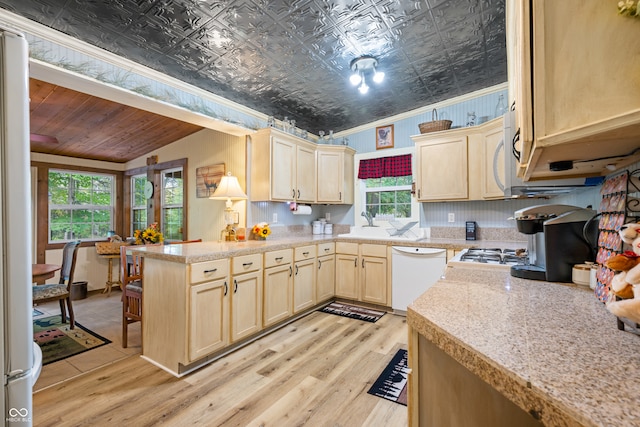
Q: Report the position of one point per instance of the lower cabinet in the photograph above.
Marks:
(362, 272)
(208, 318)
(326, 272)
(246, 296)
(304, 278)
(278, 286)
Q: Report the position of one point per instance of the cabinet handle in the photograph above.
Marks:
(362, 262)
(319, 264)
(290, 271)
(211, 271)
(293, 193)
(355, 262)
(279, 258)
(340, 196)
(305, 253)
(327, 249)
(247, 264)
(418, 193)
(298, 194)
(226, 288)
(235, 286)
(296, 269)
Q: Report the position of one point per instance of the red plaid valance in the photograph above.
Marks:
(385, 167)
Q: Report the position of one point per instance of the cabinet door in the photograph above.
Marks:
(325, 278)
(347, 276)
(373, 280)
(208, 318)
(246, 305)
(304, 284)
(493, 156)
(442, 169)
(283, 169)
(306, 174)
(277, 294)
(330, 176)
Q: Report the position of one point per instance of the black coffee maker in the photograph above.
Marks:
(560, 236)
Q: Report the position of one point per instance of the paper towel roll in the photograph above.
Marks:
(302, 210)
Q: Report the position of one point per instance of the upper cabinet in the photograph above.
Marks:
(335, 174)
(573, 74)
(287, 168)
(460, 164)
(283, 167)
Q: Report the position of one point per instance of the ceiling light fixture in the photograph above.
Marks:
(359, 67)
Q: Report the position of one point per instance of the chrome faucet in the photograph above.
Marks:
(369, 218)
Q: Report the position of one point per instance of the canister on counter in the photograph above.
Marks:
(317, 227)
(328, 228)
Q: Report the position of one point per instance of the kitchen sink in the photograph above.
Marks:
(386, 233)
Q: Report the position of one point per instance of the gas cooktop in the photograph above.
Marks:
(492, 256)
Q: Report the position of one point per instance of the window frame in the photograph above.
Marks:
(42, 204)
(395, 188)
(133, 206)
(164, 207)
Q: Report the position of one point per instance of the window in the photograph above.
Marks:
(81, 205)
(172, 204)
(138, 203)
(388, 197)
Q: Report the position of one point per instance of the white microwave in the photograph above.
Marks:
(515, 187)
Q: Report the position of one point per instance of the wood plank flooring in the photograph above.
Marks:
(313, 372)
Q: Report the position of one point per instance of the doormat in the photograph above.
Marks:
(353, 311)
(58, 342)
(392, 383)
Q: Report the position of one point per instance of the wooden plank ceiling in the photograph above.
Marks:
(88, 127)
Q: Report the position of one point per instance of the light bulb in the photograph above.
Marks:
(363, 88)
(355, 78)
(378, 76)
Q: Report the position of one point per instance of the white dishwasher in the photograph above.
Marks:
(413, 271)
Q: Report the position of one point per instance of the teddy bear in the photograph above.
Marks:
(626, 283)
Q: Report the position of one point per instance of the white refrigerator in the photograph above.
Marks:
(21, 357)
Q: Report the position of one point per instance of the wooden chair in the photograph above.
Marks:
(61, 291)
(131, 268)
(131, 273)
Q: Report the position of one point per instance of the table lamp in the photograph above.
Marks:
(229, 189)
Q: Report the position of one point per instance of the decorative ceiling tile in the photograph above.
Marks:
(291, 57)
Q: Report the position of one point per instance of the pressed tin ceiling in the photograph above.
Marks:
(291, 58)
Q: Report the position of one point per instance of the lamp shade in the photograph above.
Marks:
(228, 189)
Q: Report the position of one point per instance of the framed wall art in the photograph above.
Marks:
(208, 178)
(384, 137)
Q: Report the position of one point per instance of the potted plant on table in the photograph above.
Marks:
(148, 236)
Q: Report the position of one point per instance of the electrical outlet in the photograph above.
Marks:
(327, 216)
(452, 217)
(275, 218)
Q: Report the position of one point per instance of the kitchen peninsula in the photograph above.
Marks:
(544, 353)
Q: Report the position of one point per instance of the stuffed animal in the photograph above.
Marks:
(626, 284)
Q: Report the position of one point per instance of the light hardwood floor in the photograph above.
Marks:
(313, 372)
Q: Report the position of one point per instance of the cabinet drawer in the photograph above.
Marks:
(246, 263)
(305, 252)
(347, 248)
(326, 248)
(209, 270)
(271, 259)
(373, 250)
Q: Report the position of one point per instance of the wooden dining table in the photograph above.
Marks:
(42, 272)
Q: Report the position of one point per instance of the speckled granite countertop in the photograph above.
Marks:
(207, 251)
(548, 347)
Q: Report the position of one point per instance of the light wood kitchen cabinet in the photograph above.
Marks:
(362, 272)
(304, 278)
(459, 164)
(575, 87)
(283, 167)
(335, 174)
(441, 166)
(278, 286)
(246, 296)
(208, 308)
(326, 272)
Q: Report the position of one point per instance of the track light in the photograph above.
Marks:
(359, 67)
